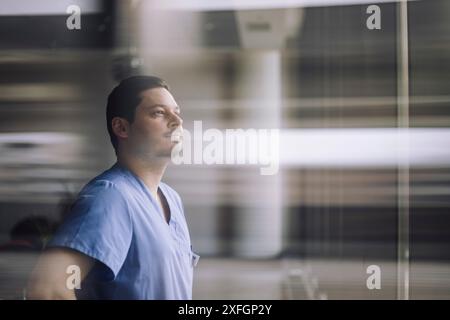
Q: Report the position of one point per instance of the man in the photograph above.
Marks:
(126, 232)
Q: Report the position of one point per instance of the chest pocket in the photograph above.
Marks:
(183, 243)
(180, 237)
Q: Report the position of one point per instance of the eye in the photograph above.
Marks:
(158, 113)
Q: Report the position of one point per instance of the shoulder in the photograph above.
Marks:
(111, 180)
(99, 200)
(106, 187)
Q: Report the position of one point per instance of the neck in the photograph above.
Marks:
(150, 172)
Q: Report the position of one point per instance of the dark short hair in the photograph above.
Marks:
(125, 97)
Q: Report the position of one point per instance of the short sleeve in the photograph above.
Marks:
(99, 225)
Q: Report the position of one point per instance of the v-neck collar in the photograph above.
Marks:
(164, 201)
(149, 194)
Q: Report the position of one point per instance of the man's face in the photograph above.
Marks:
(156, 117)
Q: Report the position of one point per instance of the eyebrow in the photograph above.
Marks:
(162, 105)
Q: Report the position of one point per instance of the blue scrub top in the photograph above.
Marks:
(116, 221)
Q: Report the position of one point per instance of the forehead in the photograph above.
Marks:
(160, 96)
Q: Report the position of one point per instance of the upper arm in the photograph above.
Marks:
(49, 278)
(100, 227)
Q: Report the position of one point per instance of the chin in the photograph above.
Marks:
(166, 153)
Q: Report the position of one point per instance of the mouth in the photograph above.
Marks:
(175, 136)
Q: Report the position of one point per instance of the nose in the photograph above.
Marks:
(175, 121)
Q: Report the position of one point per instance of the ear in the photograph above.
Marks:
(120, 127)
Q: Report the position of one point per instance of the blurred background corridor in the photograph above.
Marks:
(363, 114)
